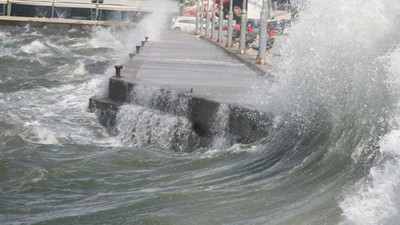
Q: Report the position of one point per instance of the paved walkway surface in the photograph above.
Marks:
(188, 62)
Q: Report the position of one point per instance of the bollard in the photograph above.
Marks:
(137, 49)
(131, 55)
(118, 70)
(143, 43)
(146, 38)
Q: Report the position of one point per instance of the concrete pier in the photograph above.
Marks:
(187, 76)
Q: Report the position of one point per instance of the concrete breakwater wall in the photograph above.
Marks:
(239, 124)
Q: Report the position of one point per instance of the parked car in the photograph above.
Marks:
(183, 23)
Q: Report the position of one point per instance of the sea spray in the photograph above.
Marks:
(139, 126)
(222, 139)
(169, 101)
(377, 201)
(333, 75)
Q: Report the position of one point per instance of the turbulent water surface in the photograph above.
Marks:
(332, 158)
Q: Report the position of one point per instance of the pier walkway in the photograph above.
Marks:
(189, 76)
(187, 62)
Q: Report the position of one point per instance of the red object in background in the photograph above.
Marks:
(250, 29)
(237, 27)
(271, 33)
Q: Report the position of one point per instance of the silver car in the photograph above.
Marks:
(183, 23)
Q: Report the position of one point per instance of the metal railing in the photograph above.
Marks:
(96, 6)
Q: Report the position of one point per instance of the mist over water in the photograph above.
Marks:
(332, 157)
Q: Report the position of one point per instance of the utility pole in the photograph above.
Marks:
(242, 40)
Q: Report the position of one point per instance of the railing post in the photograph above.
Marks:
(269, 9)
(181, 7)
(229, 43)
(52, 9)
(242, 41)
(8, 8)
(197, 17)
(213, 21)
(221, 21)
(202, 17)
(207, 19)
(96, 16)
(261, 58)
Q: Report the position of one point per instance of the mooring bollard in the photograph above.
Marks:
(143, 43)
(118, 70)
(131, 55)
(146, 38)
(137, 49)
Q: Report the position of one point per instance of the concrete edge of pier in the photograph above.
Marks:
(244, 125)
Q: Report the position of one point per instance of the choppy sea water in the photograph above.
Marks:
(332, 158)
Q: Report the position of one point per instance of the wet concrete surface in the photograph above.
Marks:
(187, 62)
(194, 77)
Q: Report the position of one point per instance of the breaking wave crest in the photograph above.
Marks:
(338, 77)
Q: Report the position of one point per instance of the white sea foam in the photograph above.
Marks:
(34, 47)
(70, 70)
(2, 35)
(222, 138)
(34, 175)
(140, 126)
(104, 38)
(377, 201)
(37, 133)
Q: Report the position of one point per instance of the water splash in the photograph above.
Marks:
(222, 139)
(139, 126)
(35, 47)
(335, 71)
(377, 201)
